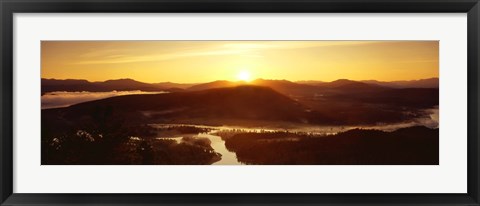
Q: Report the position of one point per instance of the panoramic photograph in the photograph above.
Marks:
(240, 102)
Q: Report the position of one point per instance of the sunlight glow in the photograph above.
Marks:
(244, 76)
(207, 61)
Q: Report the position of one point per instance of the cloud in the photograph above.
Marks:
(250, 48)
(116, 59)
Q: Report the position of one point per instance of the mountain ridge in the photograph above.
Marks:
(289, 88)
(235, 103)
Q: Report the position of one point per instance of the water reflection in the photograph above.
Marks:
(430, 119)
(230, 158)
(218, 145)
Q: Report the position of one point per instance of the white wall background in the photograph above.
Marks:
(448, 177)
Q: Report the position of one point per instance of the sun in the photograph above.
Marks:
(244, 75)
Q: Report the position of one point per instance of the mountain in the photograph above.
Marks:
(237, 103)
(409, 97)
(49, 85)
(341, 103)
(300, 88)
(349, 86)
(341, 86)
(282, 86)
(310, 82)
(126, 85)
(288, 88)
(72, 85)
(66, 82)
(173, 85)
(213, 85)
(338, 83)
(421, 83)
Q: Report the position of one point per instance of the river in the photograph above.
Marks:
(230, 158)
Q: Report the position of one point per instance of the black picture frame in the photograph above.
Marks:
(10, 7)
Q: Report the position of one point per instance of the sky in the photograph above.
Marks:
(205, 61)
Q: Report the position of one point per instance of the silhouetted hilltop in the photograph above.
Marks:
(301, 88)
(242, 102)
(49, 85)
(127, 84)
(174, 85)
(341, 86)
(333, 84)
(421, 83)
(339, 83)
(338, 102)
(287, 87)
(66, 82)
(213, 85)
(345, 85)
(407, 146)
(70, 85)
(411, 97)
(310, 82)
(296, 89)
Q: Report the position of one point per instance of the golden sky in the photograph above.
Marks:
(204, 61)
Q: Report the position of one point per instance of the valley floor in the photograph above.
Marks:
(174, 144)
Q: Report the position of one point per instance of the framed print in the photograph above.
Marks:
(241, 120)
(239, 102)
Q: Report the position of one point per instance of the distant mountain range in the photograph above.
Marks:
(340, 103)
(242, 102)
(420, 83)
(284, 86)
(73, 85)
